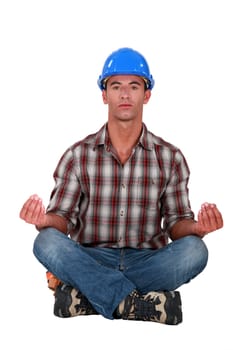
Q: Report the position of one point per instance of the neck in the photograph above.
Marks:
(124, 137)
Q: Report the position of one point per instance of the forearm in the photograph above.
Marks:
(209, 219)
(55, 221)
(184, 228)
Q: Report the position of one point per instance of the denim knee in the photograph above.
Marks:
(46, 245)
(196, 252)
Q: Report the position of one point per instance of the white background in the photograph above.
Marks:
(52, 53)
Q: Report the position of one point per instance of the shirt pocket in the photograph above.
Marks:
(149, 192)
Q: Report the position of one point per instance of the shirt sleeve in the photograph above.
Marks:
(176, 204)
(65, 196)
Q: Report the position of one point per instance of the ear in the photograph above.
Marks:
(104, 97)
(147, 96)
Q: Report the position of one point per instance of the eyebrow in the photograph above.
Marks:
(134, 82)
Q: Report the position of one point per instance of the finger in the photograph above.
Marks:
(203, 221)
(25, 208)
(216, 217)
(211, 217)
(35, 211)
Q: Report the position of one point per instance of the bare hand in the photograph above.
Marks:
(33, 211)
(209, 219)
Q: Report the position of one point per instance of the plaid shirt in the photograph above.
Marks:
(108, 204)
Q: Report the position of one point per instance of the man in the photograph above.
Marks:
(119, 232)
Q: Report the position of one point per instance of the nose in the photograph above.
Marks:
(124, 92)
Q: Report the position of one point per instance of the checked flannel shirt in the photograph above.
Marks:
(108, 204)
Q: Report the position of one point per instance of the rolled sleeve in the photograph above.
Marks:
(66, 193)
(176, 198)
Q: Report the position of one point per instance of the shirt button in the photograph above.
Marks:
(122, 213)
(123, 185)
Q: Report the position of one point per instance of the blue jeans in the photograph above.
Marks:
(107, 275)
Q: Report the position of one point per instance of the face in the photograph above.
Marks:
(125, 96)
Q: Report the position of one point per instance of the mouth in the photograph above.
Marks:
(125, 105)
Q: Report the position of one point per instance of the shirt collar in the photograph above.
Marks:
(102, 138)
(145, 139)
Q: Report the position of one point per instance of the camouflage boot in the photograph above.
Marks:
(162, 307)
(70, 302)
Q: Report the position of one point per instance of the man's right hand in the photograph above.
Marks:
(33, 211)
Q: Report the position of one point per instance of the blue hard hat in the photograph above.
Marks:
(125, 61)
